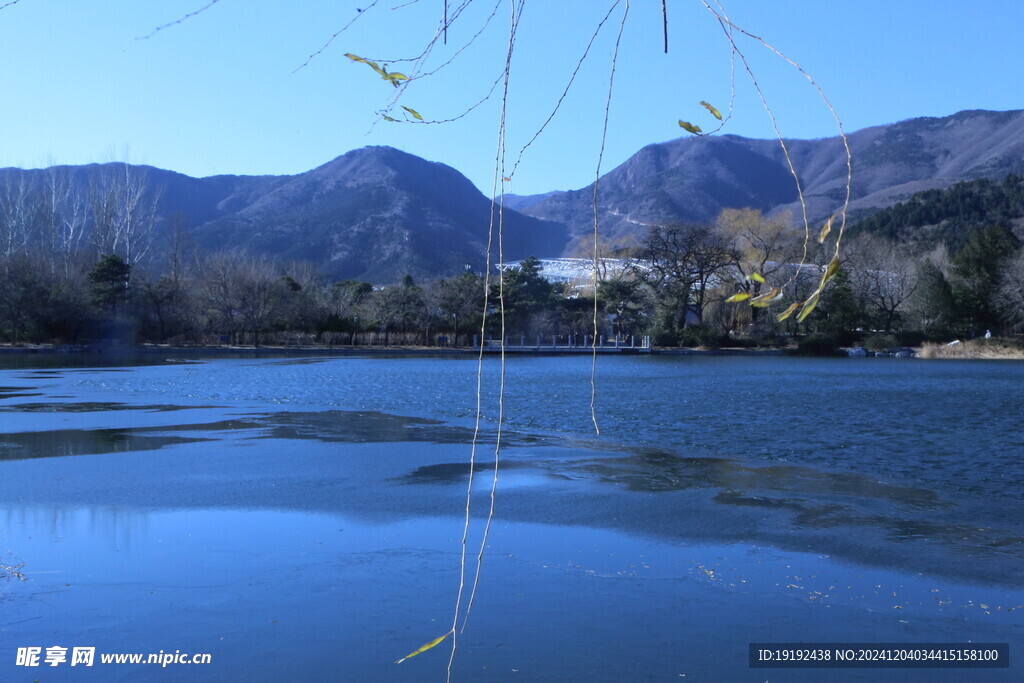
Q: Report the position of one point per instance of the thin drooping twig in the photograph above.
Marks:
(438, 35)
(169, 24)
(516, 12)
(565, 92)
(479, 411)
(476, 427)
(463, 113)
(466, 45)
(337, 33)
(479, 400)
(725, 21)
(597, 182)
(415, 73)
(8, 4)
(732, 72)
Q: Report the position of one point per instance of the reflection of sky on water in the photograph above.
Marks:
(557, 603)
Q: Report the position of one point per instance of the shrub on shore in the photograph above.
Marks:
(818, 344)
(881, 342)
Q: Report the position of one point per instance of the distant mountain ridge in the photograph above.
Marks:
(694, 178)
(518, 202)
(377, 213)
(372, 214)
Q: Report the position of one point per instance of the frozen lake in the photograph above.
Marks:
(300, 519)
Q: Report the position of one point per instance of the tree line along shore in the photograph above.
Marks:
(93, 279)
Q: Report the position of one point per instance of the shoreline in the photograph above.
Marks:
(966, 351)
(79, 350)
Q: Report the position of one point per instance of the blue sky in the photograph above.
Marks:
(219, 92)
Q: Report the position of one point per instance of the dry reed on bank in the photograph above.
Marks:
(996, 349)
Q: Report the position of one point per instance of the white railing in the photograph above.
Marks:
(563, 342)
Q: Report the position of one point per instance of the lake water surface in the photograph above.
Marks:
(301, 518)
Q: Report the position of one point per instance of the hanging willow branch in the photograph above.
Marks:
(775, 294)
(499, 179)
(597, 181)
(503, 172)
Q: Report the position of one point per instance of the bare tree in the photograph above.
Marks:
(1010, 292)
(217, 296)
(16, 214)
(682, 264)
(61, 219)
(243, 293)
(260, 294)
(760, 244)
(123, 208)
(762, 247)
(883, 276)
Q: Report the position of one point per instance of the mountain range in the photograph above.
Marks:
(692, 179)
(378, 213)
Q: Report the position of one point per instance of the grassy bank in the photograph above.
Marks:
(997, 348)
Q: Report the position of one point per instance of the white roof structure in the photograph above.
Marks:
(578, 272)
